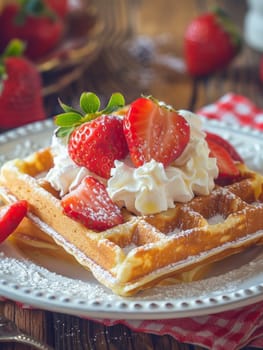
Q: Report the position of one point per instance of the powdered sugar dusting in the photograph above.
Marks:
(223, 279)
(40, 279)
(216, 219)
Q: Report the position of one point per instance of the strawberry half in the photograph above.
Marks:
(91, 205)
(211, 41)
(225, 144)
(154, 131)
(228, 171)
(10, 217)
(96, 139)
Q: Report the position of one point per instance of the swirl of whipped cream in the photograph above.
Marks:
(151, 188)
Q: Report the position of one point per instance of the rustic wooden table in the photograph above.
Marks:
(153, 65)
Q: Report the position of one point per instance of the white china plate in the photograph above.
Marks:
(51, 285)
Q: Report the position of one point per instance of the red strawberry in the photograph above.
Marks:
(96, 144)
(154, 131)
(97, 138)
(210, 42)
(60, 7)
(10, 217)
(40, 29)
(91, 205)
(224, 143)
(228, 170)
(21, 100)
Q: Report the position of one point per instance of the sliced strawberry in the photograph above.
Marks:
(10, 217)
(154, 131)
(96, 144)
(224, 143)
(228, 171)
(91, 205)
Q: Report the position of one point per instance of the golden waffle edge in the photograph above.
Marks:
(144, 250)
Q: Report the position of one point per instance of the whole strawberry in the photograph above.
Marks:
(34, 22)
(211, 41)
(96, 138)
(21, 101)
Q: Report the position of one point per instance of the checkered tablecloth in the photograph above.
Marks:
(234, 109)
(229, 330)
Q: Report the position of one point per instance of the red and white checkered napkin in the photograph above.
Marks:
(234, 109)
(232, 329)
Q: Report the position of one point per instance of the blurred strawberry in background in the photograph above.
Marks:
(21, 100)
(261, 69)
(39, 23)
(211, 41)
(61, 7)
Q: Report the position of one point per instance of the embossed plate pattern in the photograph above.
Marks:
(236, 281)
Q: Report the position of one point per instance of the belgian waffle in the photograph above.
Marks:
(144, 250)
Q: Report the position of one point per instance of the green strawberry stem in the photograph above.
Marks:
(89, 110)
(229, 26)
(35, 8)
(160, 103)
(15, 48)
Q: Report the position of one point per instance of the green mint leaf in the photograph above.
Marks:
(68, 119)
(89, 102)
(116, 101)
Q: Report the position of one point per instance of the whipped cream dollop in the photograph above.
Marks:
(65, 174)
(152, 188)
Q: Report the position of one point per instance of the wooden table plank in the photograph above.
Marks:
(66, 332)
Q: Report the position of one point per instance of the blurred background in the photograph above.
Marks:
(141, 51)
(137, 47)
